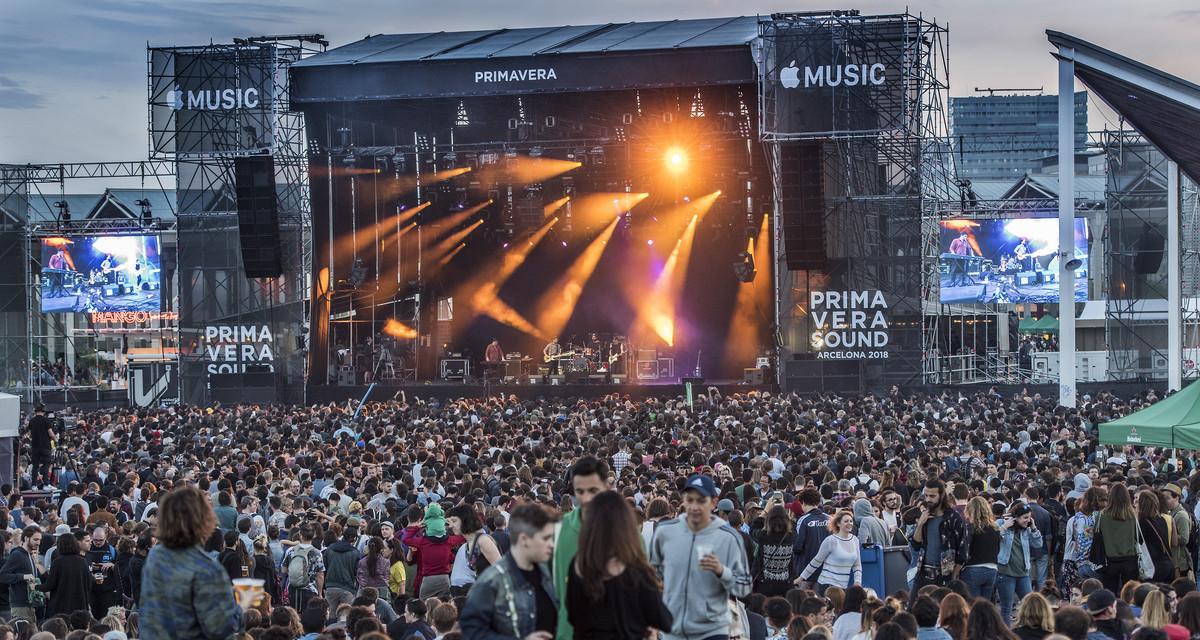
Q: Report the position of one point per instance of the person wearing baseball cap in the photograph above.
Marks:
(1102, 605)
(702, 564)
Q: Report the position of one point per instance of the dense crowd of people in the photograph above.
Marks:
(729, 517)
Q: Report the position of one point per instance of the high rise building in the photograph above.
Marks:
(1006, 136)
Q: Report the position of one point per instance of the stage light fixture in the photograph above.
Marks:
(64, 212)
(676, 160)
(743, 268)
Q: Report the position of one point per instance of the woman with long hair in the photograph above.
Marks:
(1035, 618)
(1080, 534)
(838, 557)
(373, 568)
(611, 574)
(867, 629)
(849, 620)
(264, 567)
(952, 616)
(1154, 610)
(1157, 534)
(1117, 529)
(1187, 612)
(69, 580)
(983, 548)
(984, 621)
(773, 569)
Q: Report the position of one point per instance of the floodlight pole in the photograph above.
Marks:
(1174, 290)
(1066, 227)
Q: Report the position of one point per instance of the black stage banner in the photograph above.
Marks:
(153, 384)
(212, 100)
(515, 76)
(825, 78)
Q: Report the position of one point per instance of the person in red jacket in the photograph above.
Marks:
(432, 549)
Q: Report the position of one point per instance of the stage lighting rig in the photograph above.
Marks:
(743, 267)
(676, 160)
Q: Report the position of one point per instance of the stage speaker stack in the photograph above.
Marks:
(802, 204)
(1027, 278)
(258, 216)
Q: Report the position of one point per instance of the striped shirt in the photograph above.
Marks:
(839, 562)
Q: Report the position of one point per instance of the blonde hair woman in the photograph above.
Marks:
(1154, 610)
(838, 557)
(983, 549)
(1035, 618)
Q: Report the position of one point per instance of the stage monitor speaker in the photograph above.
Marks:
(258, 216)
(752, 376)
(802, 204)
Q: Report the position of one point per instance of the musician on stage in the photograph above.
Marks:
(1023, 255)
(57, 280)
(110, 267)
(493, 357)
(550, 355)
(960, 246)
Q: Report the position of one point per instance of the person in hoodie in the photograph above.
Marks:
(432, 550)
(1082, 484)
(811, 530)
(341, 569)
(871, 530)
(702, 565)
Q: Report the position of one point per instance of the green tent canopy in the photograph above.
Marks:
(1172, 422)
(1046, 324)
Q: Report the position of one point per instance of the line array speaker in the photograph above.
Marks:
(258, 216)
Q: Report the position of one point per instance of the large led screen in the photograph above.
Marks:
(1008, 261)
(100, 273)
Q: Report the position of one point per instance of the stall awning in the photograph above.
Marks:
(1171, 422)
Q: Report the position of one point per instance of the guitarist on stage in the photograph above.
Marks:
(550, 355)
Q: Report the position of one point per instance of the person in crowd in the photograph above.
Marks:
(983, 549)
(773, 568)
(1035, 618)
(938, 536)
(838, 559)
(849, 619)
(69, 580)
(1157, 530)
(952, 616)
(869, 529)
(21, 572)
(476, 554)
(374, 567)
(984, 621)
(515, 598)
(587, 478)
(612, 574)
(341, 568)
(1171, 501)
(1116, 529)
(1080, 534)
(701, 562)
(185, 592)
(812, 527)
(304, 569)
(1018, 536)
(1102, 605)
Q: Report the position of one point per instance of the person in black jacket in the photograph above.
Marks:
(69, 581)
(611, 574)
(20, 570)
(137, 563)
(102, 558)
(773, 568)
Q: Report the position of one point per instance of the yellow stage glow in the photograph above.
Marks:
(676, 160)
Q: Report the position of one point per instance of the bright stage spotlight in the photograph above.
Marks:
(676, 160)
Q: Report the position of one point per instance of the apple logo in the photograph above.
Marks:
(177, 98)
(789, 76)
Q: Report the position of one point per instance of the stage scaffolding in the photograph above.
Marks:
(885, 177)
(204, 145)
(29, 338)
(1136, 268)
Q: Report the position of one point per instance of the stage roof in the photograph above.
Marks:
(1162, 107)
(531, 60)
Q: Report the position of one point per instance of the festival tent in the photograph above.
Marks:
(1171, 422)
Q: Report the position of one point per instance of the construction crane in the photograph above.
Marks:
(992, 92)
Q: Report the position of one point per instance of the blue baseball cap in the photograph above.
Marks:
(703, 484)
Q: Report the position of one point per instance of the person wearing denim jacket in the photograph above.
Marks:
(1018, 534)
(504, 602)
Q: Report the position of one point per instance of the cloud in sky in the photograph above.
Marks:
(74, 75)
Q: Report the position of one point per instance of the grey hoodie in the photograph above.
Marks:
(697, 598)
(1082, 484)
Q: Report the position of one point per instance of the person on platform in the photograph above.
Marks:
(41, 439)
(57, 280)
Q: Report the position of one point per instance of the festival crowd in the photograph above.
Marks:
(740, 517)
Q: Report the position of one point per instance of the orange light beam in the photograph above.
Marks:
(658, 309)
(556, 306)
(439, 228)
(742, 344)
(526, 170)
(549, 209)
(398, 329)
(442, 248)
(408, 182)
(445, 260)
(486, 287)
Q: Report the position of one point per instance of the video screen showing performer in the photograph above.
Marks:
(1008, 261)
(83, 274)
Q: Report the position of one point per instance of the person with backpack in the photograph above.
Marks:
(1182, 549)
(341, 569)
(305, 569)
